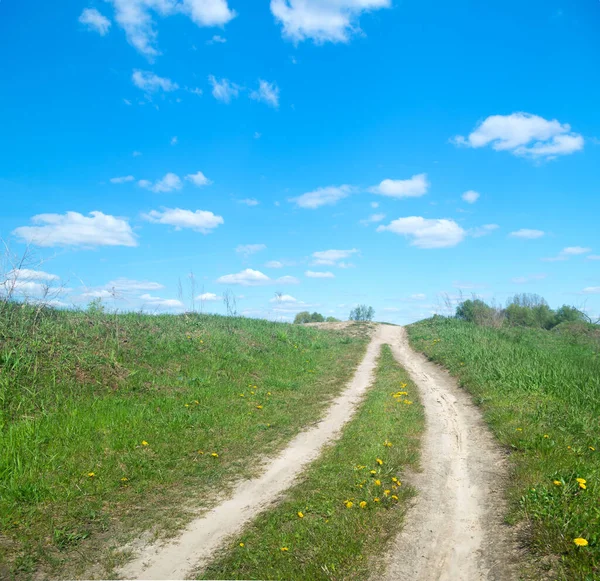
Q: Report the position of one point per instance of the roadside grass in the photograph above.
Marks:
(112, 425)
(540, 392)
(320, 530)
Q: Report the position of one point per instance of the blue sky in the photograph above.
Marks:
(385, 152)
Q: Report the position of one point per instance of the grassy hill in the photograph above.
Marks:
(109, 423)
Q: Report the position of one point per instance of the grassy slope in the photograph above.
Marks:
(332, 541)
(540, 392)
(108, 423)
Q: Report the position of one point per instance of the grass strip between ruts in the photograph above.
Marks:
(350, 502)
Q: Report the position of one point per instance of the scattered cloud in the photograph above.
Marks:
(174, 140)
(130, 285)
(135, 17)
(216, 39)
(593, 257)
(566, 253)
(122, 180)
(374, 204)
(169, 183)
(313, 274)
(322, 20)
(527, 233)
(198, 179)
(249, 202)
(257, 135)
(30, 275)
(127, 102)
(97, 294)
(74, 229)
(372, 219)
(249, 277)
(323, 197)
(151, 83)
(274, 264)
(470, 196)
(249, 249)
(414, 187)
(332, 257)
(267, 93)
(525, 135)
(591, 290)
(137, 153)
(196, 91)
(161, 303)
(484, 230)
(94, 21)
(530, 278)
(208, 297)
(427, 233)
(418, 297)
(199, 221)
(284, 299)
(223, 90)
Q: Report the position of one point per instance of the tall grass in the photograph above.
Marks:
(540, 392)
(115, 424)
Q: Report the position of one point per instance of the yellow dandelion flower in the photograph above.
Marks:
(251, 393)
(592, 449)
(387, 444)
(581, 480)
(300, 515)
(378, 482)
(144, 443)
(546, 436)
(386, 492)
(349, 504)
(379, 461)
(557, 482)
(200, 452)
(582, 485)
(214, 455)
(187, 405)
(580, 542)
(91, 474)
(394, 479)
(376, 499)
(373, 471)
(269, 393)
(241, 544)
(124, 479)
(519, 429)
(362, 504)
(394, 497)
(284, 549)
(242, 395)
(196, 402)
(259, 407)
(407, 402)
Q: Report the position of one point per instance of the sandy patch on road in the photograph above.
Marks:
(455, 531)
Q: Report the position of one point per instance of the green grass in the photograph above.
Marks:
(540, 393)
(80, 393)
(332, 541)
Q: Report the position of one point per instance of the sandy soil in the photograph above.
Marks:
(203, 536)
(455, 530)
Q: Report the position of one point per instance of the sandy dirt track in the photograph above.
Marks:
(455, 530)
(203, 536)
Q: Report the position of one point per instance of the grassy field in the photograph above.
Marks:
(349, 503)
(111, 425)
(540, 393)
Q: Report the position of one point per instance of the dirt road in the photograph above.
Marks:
(198, 542)
(455, 531)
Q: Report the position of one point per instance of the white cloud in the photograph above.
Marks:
(249, 277)
(322, 197)
(122, 180)
(161, 303)
(130, 285)
(196, 91)
(249, 202)
(284, 299)
(527, 233)
(313, 274)
(322, 20)
(372, 219)
(524, 135)
(198, 179)
(593, 257)
(591, 290)
(168, 183)
(174, 140)
(216, 39)
(127, 101)
(95, 21)
(267, 93)
(414, 187)
(257, 135)
(135, 17)
(151, 83)
(223, 90)
(137, 153)
(208, 297)
(566, 253)
(274, 264)
(30, 275)
(427, 233)
(418, 297)
(74, 229)
(374, 204)
(484, 230)
(331, 257)
(200, 220)
(530, 278)
(470, 196)
(97, 294)
(248, 249)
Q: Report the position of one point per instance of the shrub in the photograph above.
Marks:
(306, 317)
(362, 313)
